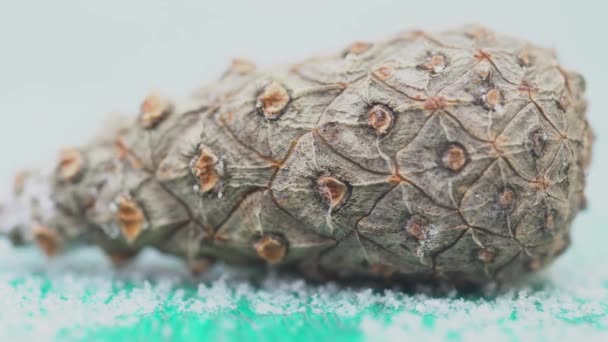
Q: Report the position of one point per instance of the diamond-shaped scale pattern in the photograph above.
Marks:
(487, 102)
(298, 182)
(457, 155)
(359, 256)
(270, 112)
(503, 195)
(529, 143)
(232, 172)
(259, 216)
(415, 228)
(476, 255)
(426, 160)
(345, 124)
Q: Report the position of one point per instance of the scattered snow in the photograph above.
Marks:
(45, 300)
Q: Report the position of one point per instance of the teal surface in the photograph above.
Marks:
(79, 297)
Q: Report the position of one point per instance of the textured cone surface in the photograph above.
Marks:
(458, 155)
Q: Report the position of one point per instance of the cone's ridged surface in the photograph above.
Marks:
(458, 155)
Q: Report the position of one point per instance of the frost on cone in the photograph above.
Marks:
(459, 155)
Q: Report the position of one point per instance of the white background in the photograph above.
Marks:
(65, 65)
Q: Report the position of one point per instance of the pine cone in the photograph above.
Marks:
(459, 155)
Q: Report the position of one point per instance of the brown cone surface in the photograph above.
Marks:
(457, 155)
